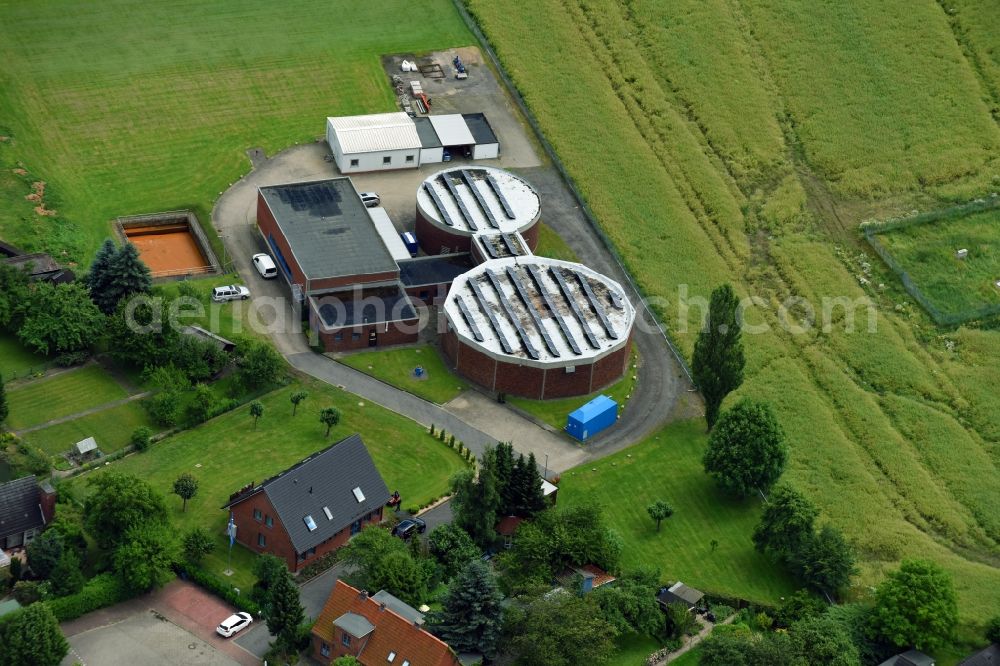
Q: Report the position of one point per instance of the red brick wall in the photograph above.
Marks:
(399, 333)
(531, 236)
(523, 380)
(269, 227)
(611, 368)
(435, 240)
(277, 542)
(562, 384)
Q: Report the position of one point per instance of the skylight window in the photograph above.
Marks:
(310, 523)
(326, 510)
(392, 656)
(358, 495)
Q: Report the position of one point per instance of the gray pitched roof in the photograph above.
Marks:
(325, 479)
(398, 606)
(989, 656)
(680, 593)
(354, 624)
(19, 508)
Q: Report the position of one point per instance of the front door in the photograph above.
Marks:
(372, 338)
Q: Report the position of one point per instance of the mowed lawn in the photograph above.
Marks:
(112, 429)
(395, 367)
(927, 253)
(668, 466)
(16, 361)
(226, 453)
(554, 412)
(66, 393)
(129, 106)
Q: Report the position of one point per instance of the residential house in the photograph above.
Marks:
(379, 630)
(988, 656)
(313, 507)
(25, 508)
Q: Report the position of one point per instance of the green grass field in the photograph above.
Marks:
(551, 244)
(554, 412)
(16, 361)
(138, 107)
(696, 186)
(112, 428)
(67, 393)
(667, 466)
(633, 650)
(395, 367)
(227, 453)
(927, 253)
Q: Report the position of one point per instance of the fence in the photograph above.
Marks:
(551, 152)
(872, 229)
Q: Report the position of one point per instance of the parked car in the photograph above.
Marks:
(230, 292)
(233, 624)
(265, 266)
(370, 199)
(408, 527)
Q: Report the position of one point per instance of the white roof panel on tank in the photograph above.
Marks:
(387, 231)
(452, 130)
(375, 132)
(539, 311)
(469, 200)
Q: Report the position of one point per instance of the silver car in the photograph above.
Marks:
(230, 292)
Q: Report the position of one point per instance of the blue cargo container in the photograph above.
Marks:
(592, 418)
(410, 241)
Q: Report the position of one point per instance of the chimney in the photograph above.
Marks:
(381, 606)
(47, 501)
(363, 594)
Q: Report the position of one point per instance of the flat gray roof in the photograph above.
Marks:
(357, 308)
(480, 128)
(428, 137)
(328, 228)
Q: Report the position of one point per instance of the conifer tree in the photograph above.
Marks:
(718, 361)
(471, 615)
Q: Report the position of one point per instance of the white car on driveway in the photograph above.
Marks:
(265, 266)
(230, 292)
(234, 624)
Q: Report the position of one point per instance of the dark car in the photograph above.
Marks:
(408, 527)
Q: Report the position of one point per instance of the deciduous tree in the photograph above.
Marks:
(630, 605)
(916, 606)
(822, 640)
(827, 561)
(257, 364)
(786, 525)
(256, 411)
(471, 616)
(59, 318)
(4, 407)
(296, 398)
(659, 511)
(329, 416)
(197, 544)
(145, 558)
(33, 636)
(119, 503)
(558, 630)
(718, 361)
(452, 547)
(746, 450)
(185, 487)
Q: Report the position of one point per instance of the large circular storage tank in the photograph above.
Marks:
(455, 204)
(539, 328)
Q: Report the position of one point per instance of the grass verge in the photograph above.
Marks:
(66, 393)
(395, 367)
(112, 428)
(16, 361)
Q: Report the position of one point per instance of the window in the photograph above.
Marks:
(355, 527)
(324, 650)
(345, 639)
(392, 655)
(326, 510)
(310, 523)
(409, 159)
(354, 163)
(355, 336)
(338, 337)
(387, 160)
(257, 515)
(261, 539)
(269, 521)
(358, 495)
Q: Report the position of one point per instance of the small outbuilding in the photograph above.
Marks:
(487, 146)
(909, 658)
(592, 418)
(86, 448)
(679, 593)
(375, 142)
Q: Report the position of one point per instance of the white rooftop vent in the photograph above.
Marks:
(358, 495)
(310, 523)
(326, 510)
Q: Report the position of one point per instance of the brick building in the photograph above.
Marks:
(330, 253)
(26, 507)
(312, 508)
(379, 630)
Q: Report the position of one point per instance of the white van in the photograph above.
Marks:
(265, 266)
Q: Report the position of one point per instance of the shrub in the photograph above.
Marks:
(722, 611)
(69, 359)
(26, 592)
(100, 591)
(140, 438)
(319, 565)
(218, 587)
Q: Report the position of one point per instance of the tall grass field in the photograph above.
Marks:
(744, 142)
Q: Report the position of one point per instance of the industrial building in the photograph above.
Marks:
(458, 204)
(536, 327)
(513, 322)
(384, 141)
(330, 251)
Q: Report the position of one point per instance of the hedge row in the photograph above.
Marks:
(100, 591)
(219, 587)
